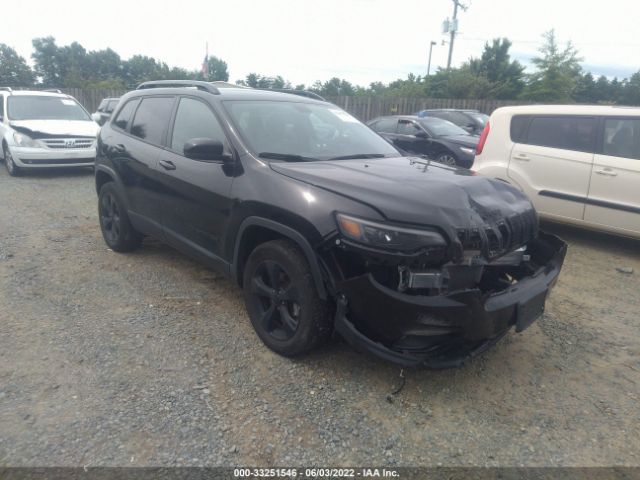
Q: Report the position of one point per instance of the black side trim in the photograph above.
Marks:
(194, 250)
(589, 201)
(289, 233)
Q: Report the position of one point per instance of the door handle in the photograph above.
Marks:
(522, 157)
(167, 164)
(607, 172)
(119, 148)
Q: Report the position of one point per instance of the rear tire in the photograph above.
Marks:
(116, 227)
(12, 168)
(282, 300)
(447, 158)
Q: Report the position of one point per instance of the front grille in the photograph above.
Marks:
(502, 237)
(69, 143)
(57, 161)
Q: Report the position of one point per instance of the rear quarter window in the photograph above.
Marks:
(519, 125)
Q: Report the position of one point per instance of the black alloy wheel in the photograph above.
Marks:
(117, 231)
(278, 300)
(282, 299)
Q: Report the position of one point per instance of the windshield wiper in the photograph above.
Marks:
(359, 155)
(289, 157)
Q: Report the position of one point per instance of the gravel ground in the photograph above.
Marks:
(150, 359)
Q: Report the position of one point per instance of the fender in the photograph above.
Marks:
(292, 235)
(114, 176)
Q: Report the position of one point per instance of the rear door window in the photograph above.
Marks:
(567, 133)
(622, 137)
(152, 118)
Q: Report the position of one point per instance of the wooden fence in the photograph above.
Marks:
(371, 106)
(90, 98)
(363, 107)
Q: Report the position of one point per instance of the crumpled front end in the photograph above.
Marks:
(439, 313)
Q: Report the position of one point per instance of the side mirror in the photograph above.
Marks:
(422, 134)
(205, 149)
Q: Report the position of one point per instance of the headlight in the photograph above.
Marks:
(24, 141)
(468, 151)
(387, 236)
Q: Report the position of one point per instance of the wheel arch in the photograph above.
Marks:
(254, 231)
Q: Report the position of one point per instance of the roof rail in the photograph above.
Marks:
(6, 89)
(200, 85)
(300, 93)
(53, 90)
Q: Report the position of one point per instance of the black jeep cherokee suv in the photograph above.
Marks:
(322, 222)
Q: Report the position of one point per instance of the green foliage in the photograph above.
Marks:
(14, 71)
(334, 87)
(558, 76)
(558, 72)
(255, 80)
(505, 77)
(218, 71)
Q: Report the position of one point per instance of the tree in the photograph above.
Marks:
(585, 91)
(218, 70)
(630, 94)
(14, 71)
(495, 65)
(334, 87)
(46, 59)
(459, 83)
(557, 73)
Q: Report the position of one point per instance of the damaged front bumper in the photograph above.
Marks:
(443, 331)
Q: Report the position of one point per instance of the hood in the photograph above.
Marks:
(56, 128)
(402, 190)
(464, 140)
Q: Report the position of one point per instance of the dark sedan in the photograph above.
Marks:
(438, 139)
(472, 121)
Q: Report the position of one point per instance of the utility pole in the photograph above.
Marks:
(430, 50)
(453, 29)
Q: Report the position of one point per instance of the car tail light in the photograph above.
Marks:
(483, 138)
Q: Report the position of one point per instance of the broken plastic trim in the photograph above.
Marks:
(444, 330)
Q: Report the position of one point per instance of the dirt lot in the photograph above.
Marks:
(149, 359)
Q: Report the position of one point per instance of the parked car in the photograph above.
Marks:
(322, 222)
(472, 121)
(437, 139)
(578, 164)
(104, 111)
(44, 129)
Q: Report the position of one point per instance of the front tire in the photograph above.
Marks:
(12, 168)
(282, 300)
(116, 227)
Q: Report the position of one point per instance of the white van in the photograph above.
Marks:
(578, 164)
(44, 129)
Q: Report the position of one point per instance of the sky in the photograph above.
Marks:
(306, 40)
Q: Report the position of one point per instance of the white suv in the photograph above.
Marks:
(45, 129)
(578, 164)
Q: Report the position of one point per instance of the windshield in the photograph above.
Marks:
(441, 128)
(305, 131)
(34, 107)
(481, 118)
